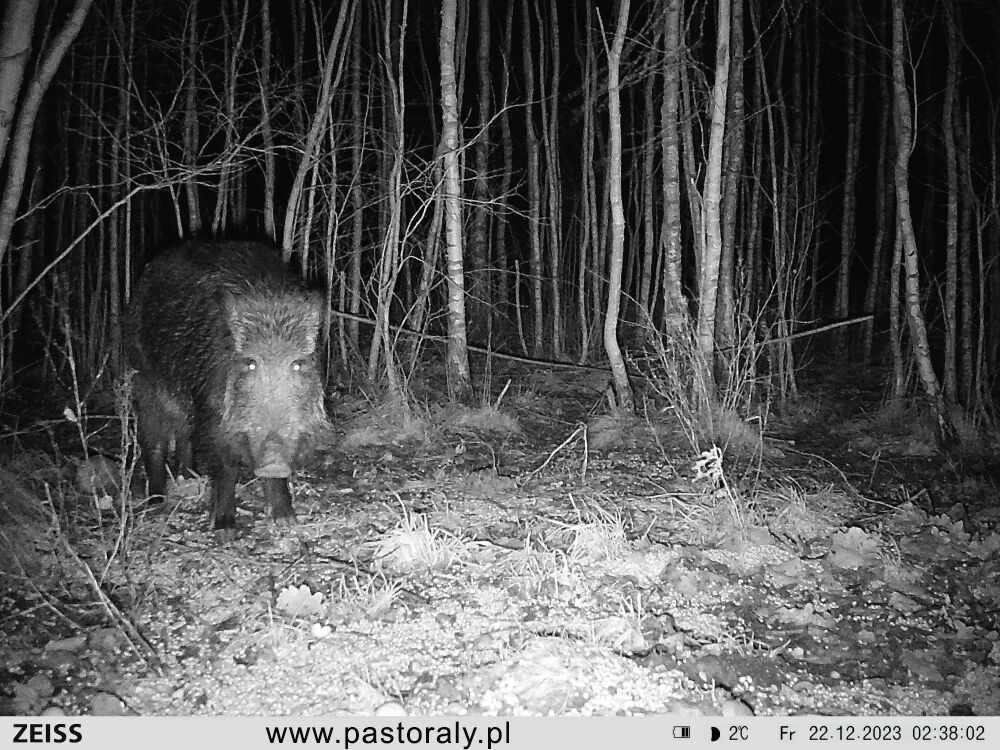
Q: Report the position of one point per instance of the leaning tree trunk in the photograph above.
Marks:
(904, 221)
(332, 70)
(623, 389)
(15, 52)
(16, 159)
(459, 384)
(24, 124)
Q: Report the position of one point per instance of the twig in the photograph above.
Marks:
(496, 405)
(802, 334)
(147, 653)
(580, 429)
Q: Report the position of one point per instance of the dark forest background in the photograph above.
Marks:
(724, 174)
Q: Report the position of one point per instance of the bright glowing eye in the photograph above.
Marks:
(297, 365)
(250, 364)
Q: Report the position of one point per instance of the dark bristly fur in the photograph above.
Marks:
(224, 343)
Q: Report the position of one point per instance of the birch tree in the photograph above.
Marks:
(709, 267)
(903, 116)
(459, 385)
(623, 389)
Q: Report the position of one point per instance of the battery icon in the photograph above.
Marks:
(682, 732)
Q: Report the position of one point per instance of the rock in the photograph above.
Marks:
(104, 639)
(391, 708)
(42, 685)
(75, 643)
(106, 704)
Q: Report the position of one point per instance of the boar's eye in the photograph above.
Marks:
(299, 365)
(248, 364)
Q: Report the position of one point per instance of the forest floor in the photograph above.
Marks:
(542, 558)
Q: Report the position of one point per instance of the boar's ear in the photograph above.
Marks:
(315, 307)
(233, 316)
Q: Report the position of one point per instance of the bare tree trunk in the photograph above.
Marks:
(648, 212)
(968, 321)
(459, 383)
(417, 319)
(898, 386)
(904, 144)
(15, 51)
(554, 181)
(120, 177)
(17, 157)
(358, 121)
(534, 189)
(588, 245)
(388, 262)
(709, 279)
(194, 220)
(225, 191)
(950, 308)
(855, 99)
(500, 243)
(623, 389)
(725, 317)
(688, 116)
(480, 281)
(674, 306)
(332, 70)
(264, 78)
(883, 208)
(753, 239)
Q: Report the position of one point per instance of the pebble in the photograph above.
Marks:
(391, 708)
(41, 685)
(58, 659)
(75, 643)
(106, 704)
(104, 639)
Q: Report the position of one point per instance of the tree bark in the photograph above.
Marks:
(950, 308)
(17, 157)
(534, 188)
(855, 98)
(459, 383)
(709, 278)
(674, 306)
(623, 389)
(480, 297)
(332, 70)
(904, 221)
(725, 318)
(15, 50)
